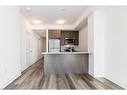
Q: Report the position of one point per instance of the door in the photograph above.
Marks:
(39, 49)
(28, 52)
(34, 52)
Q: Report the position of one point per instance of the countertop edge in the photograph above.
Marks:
(66, 53)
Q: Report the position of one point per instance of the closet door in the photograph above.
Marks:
(28, 53)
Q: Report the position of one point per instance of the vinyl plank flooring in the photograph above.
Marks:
(52, 82)
(46, 82)
(88, 82)
(78, 82)
(97, 83)
(34, 78)
(109, 83)
(62, 82)
(70, 82)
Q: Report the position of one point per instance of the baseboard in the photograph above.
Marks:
(113, 80)
(91, 74)
(117, 82)
(10, 80)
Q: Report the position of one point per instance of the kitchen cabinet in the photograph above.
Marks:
(62, 34)
(70, 35)
(54, 34)
(66, 67)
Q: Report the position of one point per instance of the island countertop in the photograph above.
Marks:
(66, 53)
(66, 62)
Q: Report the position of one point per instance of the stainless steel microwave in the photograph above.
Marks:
(69, 41)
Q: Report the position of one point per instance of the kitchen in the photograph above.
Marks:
(60, 49)
(64, 54)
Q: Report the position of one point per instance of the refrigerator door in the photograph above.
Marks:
(54, 50)
(51, 43)
(51, 50)
(54, 45)
(57, 43)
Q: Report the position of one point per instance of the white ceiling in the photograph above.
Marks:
(50, 14)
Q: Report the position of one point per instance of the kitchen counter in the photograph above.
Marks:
(66, 53)
(65, 62)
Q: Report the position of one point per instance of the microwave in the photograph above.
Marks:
(69, 41)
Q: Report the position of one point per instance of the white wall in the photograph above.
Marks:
(25, 37)
(9, 44)
(116, 45)
(108, 25)
(30, 45)
(96, 43)
(91, 44)
(83, 45)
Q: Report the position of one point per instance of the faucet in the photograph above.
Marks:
(71, 48)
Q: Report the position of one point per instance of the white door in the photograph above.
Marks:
(34, 49)
(39, 49)
(28, 53)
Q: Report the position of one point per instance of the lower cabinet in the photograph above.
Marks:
(65, 63)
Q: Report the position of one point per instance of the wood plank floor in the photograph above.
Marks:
(34, 78)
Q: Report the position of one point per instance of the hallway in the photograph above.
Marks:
(34, 78)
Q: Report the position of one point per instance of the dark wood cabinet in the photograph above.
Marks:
(71, 35)
(63, 34)
(54, 34)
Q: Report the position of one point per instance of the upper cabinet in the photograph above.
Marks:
(54, 34)
(70, 35)
(64, 34)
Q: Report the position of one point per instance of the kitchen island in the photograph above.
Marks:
(65, 62)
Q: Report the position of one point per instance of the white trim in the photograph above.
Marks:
(50, 26)
(90, 74)
(84, 16)
(10, 80)
(47, 38)
(117, 82)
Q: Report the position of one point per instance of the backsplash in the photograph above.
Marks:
(76, 47)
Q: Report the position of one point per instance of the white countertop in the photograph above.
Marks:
(66, 53)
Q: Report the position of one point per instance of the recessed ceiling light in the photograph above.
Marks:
(60, 21)
(28, 8)
(36, 21)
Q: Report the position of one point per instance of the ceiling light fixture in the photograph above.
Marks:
(60, 21)
(35, 21)
(28, 8)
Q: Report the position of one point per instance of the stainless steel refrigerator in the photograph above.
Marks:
(54, 45)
